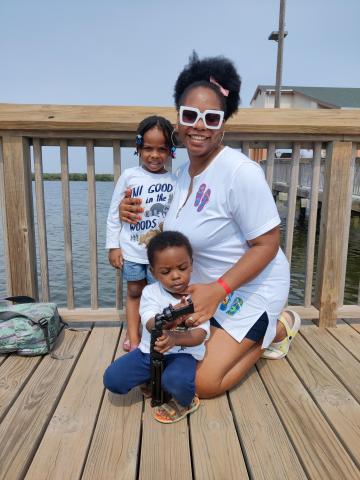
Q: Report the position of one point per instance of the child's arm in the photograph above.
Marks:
(115, 257)
(113, 224)
(170, 339)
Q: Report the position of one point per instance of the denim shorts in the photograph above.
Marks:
(134, 272)
(256, 332)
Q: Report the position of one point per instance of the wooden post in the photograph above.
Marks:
(19, 217)
(333, 234)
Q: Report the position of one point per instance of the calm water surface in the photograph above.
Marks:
(106, 280)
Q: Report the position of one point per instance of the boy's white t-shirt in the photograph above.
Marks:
(154, 299)
(230, 204)
(156, 191)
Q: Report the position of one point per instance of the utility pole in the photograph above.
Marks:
(280, 54)
(279, 37)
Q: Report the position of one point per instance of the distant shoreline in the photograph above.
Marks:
(78, 177)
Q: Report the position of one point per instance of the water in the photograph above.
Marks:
(106, 275)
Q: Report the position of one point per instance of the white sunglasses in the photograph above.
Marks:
(212, 119)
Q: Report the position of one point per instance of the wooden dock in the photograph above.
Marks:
(288, 419)
(294, 418)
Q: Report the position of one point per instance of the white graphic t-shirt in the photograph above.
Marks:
(230, 204)
(154, 299)
(156, 191)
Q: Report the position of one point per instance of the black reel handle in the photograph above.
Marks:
(169, 314)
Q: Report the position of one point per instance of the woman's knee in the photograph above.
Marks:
(207, 388)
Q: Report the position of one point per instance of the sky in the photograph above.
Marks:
(129, 52)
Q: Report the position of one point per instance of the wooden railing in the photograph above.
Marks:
(41, 125)
(282, 177)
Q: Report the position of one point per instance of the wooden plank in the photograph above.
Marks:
(65, 189)
(270, 164)
(87, 315)
(3, 357)
(64, 446)
(348, 337)
(22, 428)
(262, 435)
(290, 218)
(311, 235)
(246, 120)
(114, 448)
(165, 449)
(14, 374)
(354, 323)
(341, 410)
(306, 313)
(346, 225)
(105, 138)
(348, 311)
(321, 453)
(90, 157)
(119, 304)
(336, 357)
(41, 220)
(334, 220)
(6, 255)
(214, 438)
(19, 215)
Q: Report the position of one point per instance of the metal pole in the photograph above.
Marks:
(280, 53)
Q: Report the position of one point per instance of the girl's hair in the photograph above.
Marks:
(165, 240)
(198, 73)
(155, 121)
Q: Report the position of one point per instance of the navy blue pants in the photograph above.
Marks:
(133, 369)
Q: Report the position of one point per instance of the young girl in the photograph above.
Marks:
(155, 186)
(170, 258)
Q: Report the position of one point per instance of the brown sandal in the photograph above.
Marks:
(172, 411)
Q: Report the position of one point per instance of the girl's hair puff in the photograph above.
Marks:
(197, 74)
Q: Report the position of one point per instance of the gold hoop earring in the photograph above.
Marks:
(173, 141)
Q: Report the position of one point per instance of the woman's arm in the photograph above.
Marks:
(207, 297)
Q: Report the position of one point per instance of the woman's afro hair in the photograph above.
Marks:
(198, 72)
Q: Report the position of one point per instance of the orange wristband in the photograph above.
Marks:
(224, 285)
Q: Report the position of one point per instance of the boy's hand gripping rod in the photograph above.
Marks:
(169, 314)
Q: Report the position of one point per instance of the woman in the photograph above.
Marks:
(223, 204)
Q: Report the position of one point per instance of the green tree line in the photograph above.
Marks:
(78, 177)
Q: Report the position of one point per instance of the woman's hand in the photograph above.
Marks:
(179, 320)
(115, 257)
(130, 208)
(206, 298)
(165, 342)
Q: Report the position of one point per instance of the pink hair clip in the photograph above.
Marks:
(223, 90)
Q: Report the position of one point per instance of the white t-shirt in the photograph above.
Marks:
(230, 204)
(154, 299)
(156, 191)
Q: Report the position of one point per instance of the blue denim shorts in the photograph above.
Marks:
(134, 272)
